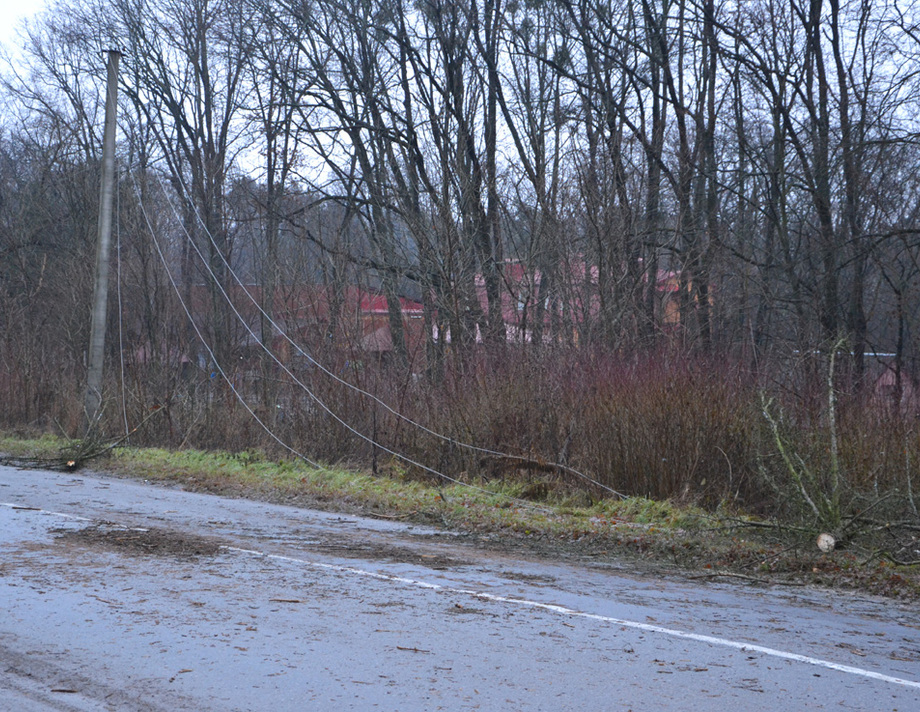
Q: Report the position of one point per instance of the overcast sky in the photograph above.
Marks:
(11, 14)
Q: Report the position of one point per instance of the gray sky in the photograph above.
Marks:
(11, 14)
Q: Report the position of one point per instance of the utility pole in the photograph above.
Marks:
(93, 398)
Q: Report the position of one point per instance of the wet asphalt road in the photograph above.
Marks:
(287, 609)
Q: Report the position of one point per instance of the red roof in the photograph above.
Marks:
(377, 304)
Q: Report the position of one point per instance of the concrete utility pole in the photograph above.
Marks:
(93, 398)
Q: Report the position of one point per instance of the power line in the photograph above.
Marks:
(204, 342)
(275, 326)
(121, 314)
(306, 388)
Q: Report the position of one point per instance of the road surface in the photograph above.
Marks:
(122, 595)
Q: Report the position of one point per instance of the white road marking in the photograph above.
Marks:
(553, 608)
(13, 505)
(563, 610)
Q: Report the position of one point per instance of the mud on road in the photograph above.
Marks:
(139, 541)
(128, 596)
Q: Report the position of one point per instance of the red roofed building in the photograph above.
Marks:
(355, 321)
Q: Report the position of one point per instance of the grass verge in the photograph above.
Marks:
(670, 537)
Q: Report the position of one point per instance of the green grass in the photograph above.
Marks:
(41, 446)
(494, 506)
(491, 506)
(564, 522)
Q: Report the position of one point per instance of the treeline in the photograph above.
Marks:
(758, 158)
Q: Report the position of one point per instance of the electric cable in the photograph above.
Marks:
(405, 458)
(207, 347)
(270, 320)
(121, 314)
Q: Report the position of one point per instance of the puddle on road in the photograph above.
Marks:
(141, 542)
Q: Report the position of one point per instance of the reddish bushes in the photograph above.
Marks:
(662, 425)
